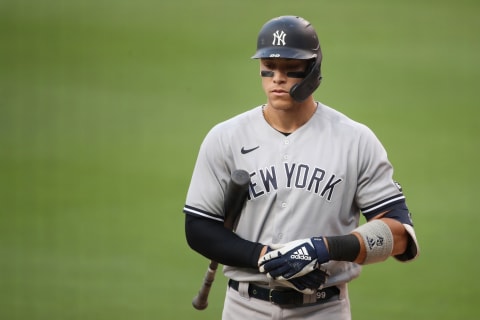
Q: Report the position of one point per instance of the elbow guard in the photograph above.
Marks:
(413, 250)
(401, 213)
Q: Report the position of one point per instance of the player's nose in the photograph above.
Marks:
(279, 76)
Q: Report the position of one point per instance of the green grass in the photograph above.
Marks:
(103, 105)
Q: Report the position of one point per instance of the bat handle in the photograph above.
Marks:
(200, 302)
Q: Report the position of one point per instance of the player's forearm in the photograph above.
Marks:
(214, 241)
(353, 248)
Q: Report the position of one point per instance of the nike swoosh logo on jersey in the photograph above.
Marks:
(245, 151)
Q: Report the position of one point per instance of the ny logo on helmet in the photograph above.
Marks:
(279, 38)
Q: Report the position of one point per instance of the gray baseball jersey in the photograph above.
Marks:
(313, 182)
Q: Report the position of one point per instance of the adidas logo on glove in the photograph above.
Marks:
(301, 254)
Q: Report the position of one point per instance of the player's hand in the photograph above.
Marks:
(308, 283)
(294, 259)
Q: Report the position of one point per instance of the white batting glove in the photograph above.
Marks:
(307, 284)
(294, 259)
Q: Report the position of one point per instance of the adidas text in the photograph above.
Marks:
(300, 257)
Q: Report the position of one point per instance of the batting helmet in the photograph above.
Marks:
(292, 37)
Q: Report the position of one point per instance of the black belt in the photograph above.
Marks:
(286, 297)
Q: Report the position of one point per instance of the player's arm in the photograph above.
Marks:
(376, 240)
(388, 233)
(352, 247)
(212, 240)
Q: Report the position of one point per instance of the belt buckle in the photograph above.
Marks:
(270, 296)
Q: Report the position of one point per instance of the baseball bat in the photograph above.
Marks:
(235, 197)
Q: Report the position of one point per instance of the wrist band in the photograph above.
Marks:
(378, 239)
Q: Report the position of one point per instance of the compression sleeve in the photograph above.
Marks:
(212, 240)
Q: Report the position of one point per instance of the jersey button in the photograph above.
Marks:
(284, 205)
(287, 142)
(285, 157)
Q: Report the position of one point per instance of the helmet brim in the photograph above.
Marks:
(284, 52)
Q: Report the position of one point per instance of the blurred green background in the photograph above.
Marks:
(103, 105)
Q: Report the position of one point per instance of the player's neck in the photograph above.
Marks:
(287, 120)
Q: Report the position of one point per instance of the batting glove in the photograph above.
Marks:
(308, 283)
(294, 259)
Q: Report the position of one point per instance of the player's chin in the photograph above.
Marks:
(280, 101)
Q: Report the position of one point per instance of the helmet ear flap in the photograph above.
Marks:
(302, 90)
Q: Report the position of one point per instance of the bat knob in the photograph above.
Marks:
(199, 306)
(240, 177)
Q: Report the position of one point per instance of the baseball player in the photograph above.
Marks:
(299, 240)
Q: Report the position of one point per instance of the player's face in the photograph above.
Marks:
(278, 76)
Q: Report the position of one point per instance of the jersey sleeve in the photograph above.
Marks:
(376, 188)
(209, 179)
(378, 192)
